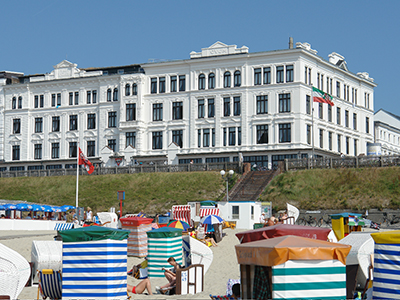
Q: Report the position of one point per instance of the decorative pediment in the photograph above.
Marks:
(107, 150)
(173, 145)
(305, 46)
(15, 140)
(36, 137)
(109, 132)
(66, 69)
(65, 64)
(89, 134)
(219, 48)
(54, 136)
(71, 135)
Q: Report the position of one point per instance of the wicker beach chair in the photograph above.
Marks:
(50, 284)
(14, 272)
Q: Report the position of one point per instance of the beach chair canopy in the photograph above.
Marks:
(345, 215)
(282, 230)
(93, 233)
(276, 251)
(135, 221)
(207, 203)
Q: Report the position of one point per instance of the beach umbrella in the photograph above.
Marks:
(179, 224)
(2, 207)
(10, 206)
(57, 209)
(24, 206)
(211, 219)
(67, 207)
(36, 207)
(46, 208)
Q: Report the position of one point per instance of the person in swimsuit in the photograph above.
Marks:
(141, 287)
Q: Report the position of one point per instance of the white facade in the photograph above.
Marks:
(387, 132)
(263, 111)
(245, 214)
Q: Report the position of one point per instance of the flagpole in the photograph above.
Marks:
(77, 175)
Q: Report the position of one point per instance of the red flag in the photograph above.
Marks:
(84, 161)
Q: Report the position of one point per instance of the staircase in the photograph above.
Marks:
(251, 185)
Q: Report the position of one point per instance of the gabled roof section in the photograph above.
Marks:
(219, 48)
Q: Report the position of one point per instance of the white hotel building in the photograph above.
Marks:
(222, 104)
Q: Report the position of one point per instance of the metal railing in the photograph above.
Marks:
(128, 170)
(342, 162)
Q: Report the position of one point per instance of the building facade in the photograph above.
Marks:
(222, 104)
(387, 132)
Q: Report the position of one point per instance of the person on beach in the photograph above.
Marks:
(89, 214)
(141, 287)
(170, 275)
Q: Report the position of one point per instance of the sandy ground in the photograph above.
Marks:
(223, 267)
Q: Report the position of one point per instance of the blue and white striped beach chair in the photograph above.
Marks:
(64, 226)
(50, 284)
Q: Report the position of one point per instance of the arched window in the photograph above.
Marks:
(134, 89)
(202, 82)
(14, 102)
(19, 102)
(109, 95)
(127, 89)
(227, 79)
(237, 78)
(115, 96)
(211, 81)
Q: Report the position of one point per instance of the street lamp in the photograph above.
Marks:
(226, 177)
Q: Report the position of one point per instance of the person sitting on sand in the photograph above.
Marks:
(141, 287)
(170, 275)
(271, 221)
(209, 241)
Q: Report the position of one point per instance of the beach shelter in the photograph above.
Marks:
(292, 267)
(163, 243)
(386, 283)
(137, 240)
(344, 223)
(94, 263)
(282, 230)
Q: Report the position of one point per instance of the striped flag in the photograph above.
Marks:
(321, 97)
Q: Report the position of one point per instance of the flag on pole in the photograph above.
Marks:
(84, 161)
(321, 97)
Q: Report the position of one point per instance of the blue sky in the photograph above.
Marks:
(36, 35)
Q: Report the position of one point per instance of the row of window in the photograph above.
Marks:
(158, 85)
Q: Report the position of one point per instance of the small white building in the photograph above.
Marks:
(245, 214)
(387, 132)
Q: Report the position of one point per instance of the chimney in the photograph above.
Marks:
(290, 43)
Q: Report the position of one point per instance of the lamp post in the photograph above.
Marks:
(226, 176)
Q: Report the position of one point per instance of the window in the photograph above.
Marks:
(211, 81)
(36, 104)
(354, 121)
(162, 84)
(346, 118)
(206, 137)
(88, 97)
(338, 89)
(289, 73)
(227, 79)
(308, 105)
(71, 98)
(157, 140)
(94, 95)
(200, 108)
(257, 76)
(177, 137)
(91, 121)
(199, 138)
(91, 148)
(14, 103)
(338, 115)
(202, 82)
(366, 125)
(173, 84)
(284, 103)
(112, 143)
(38, 151)
(262, 104)
(239, 135)
(109, 95)
(38, 125)
(285, 133)
(73, 122)
(320, 111)
(182, 83)
(235, 212)
(355, 147)
(232, 136)
(213, 137)
(262, 134)
(53, 100)
(134, 89)
(153, 85)
(73, 149)
(76, 98)
(318, 85)
(347, 145)
(322, 82)
(267, 75)
(112, 119)
(55, 124)
(157, 112)
(131, 112)
(227, 107)
(15, 152)
(58, 99)
(16, 126)
(329, 113)
(237, 78)
(127, 89)
(19, 102)
(55, 150)
(330, 140)
(236, 106)
(279, 74)
(41, 100)
(321, 138)
(130, 139)
(224, 136)
(339, 143)
(177, 108)
(211, 108)
(115, 94)
(309, 134)
(305, 75)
